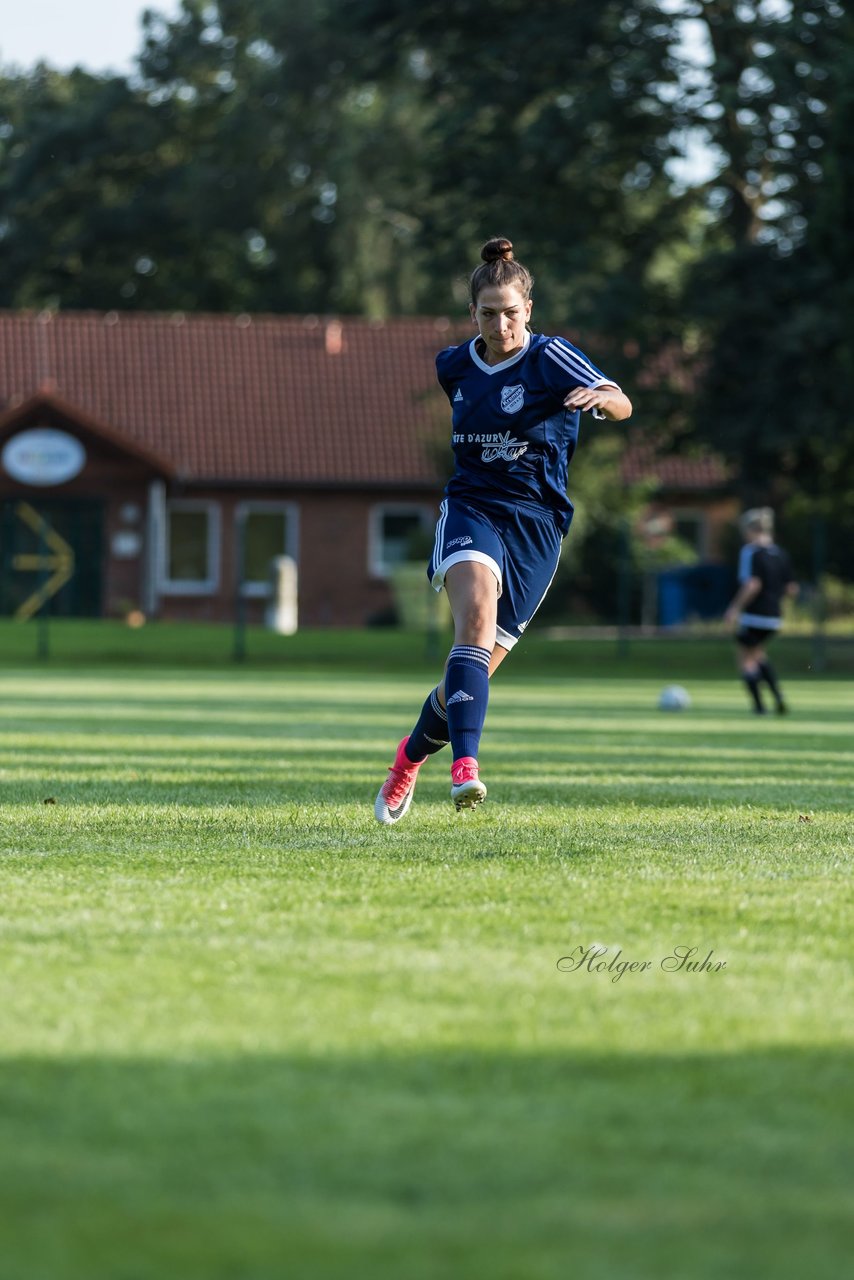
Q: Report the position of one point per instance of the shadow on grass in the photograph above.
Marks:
(229, 795)
(402, 1168)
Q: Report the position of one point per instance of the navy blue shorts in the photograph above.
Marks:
(519, 544)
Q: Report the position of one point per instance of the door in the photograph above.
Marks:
(33, 562)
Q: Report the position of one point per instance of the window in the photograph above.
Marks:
(691, 527)
(191, 550)
(269, 530)
(397, 534)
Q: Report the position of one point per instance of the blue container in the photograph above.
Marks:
(697, 591)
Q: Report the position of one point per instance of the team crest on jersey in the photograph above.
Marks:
(512, 398)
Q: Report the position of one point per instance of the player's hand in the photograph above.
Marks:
(587, 398)
(607, 400)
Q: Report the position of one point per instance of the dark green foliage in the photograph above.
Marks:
(351, 156)
(772, 296)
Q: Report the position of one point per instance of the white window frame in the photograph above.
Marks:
(188, 586)
(376, 565)
(290, 510)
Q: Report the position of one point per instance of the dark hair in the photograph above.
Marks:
(500, 268)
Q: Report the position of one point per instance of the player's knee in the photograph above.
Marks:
(476, 626)
(481, 635)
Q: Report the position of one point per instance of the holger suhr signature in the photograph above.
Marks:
(593, 959)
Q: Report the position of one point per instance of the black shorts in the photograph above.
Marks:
(754, 637)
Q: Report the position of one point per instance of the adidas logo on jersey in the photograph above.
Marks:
(458, 396)
(460, 696)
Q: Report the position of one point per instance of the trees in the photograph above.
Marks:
(351, 155)
(83, 171)
(341, 155)
(771, 296)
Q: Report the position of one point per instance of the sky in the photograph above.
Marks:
(100, 35)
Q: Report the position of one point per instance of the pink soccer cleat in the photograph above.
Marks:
(395, 795)
(467, 790)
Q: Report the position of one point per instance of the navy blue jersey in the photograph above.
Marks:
(772, 567)
(512, 437)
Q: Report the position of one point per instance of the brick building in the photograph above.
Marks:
(164, 450)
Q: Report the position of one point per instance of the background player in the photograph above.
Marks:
(765, 577)
(516, 399)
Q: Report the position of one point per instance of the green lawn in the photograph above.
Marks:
(248, 1033)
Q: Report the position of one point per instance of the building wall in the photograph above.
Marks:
(338, 583)
(330, 537)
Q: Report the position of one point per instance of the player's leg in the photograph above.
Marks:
(472, 588)
(431, 729)
(501, 609)
(748, 665)
(462, 537)
(532, 555)
(768, 673)
(468, 558)
(429, 735)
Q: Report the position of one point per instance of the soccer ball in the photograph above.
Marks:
(674, 698)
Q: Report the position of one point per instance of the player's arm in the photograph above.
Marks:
(568, 372)
(608, 399)
(748, 591)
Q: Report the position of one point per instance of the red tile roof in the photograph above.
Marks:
(673, 471)
(285, 399)
(282, 399)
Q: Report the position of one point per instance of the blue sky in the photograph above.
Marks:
(100, 35)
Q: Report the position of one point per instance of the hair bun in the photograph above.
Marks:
(498, 248)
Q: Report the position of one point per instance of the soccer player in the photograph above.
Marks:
(765, 577)
(516, 398)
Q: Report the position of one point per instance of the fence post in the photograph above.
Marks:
(819, 553)
(239, 650)
(624, 589)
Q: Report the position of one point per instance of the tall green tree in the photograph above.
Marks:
(304, 161)
(546, 122)
(85, 166)
(768, 296)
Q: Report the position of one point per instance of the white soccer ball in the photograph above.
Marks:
(674, 698)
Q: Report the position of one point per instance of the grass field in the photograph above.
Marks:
(245, 1032)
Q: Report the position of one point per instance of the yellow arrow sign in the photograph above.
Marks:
(61, 562)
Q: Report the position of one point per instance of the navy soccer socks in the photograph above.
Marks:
(769, 675)
(466, 697)
(430, 733)
(753, 679)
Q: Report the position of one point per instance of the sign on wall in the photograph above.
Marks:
(43, 456)
(55, 559)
